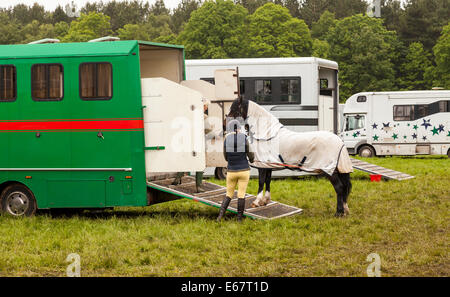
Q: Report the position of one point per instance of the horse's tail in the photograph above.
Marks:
(344, 163)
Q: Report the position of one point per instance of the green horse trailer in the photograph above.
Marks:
(71, 122)
(97, 125)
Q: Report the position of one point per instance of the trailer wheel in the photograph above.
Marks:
(17, 200)
(366, 151)
(220, 172)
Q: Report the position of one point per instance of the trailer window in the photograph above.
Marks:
(209, 79)
(403, 112)
(444, 106)
(96, 81)
(354, 122)
(290, 91)
(8, 84)
(361, 99)
(263, 90)
(47, 82)
(422, 111)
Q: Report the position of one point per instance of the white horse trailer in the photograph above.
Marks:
(397, 123)
(301, 92)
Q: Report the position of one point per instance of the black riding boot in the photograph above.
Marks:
(223, 208)
(240, 208)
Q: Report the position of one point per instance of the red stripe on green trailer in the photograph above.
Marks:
(72, 125)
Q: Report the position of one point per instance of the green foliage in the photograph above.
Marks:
(311, 10)
(24, 14)
(265, 28)
(392, 13)
(169, 39)
(133, 32)
(88, 26)
(215, 30)
(251, 5)
(416, 64)
(364, 50)
(321, 28)
(182, 14)
(423, 20)
(9, 30)
(59, 15)
(275, 33)
(321, 49)
(442, 56)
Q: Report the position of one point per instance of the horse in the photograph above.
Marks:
(277, 148)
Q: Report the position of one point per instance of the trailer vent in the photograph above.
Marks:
(46, 40)
(106, 38)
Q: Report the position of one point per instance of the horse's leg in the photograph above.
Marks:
(267, 182)
(340, 192)
(345, 179)
(261, 179)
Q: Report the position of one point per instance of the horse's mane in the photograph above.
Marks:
(239, 108)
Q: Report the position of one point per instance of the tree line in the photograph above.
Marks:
(408, 48)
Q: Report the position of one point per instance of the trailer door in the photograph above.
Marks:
(173, 127)
(326, 113)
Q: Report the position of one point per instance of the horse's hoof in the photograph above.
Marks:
(339, 214)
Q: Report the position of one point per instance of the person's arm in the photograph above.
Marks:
(225, 149)
(250, 155)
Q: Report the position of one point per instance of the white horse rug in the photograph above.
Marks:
(276, 146)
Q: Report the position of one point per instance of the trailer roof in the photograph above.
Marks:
(76, 49)
(408, 94)
(266, 61)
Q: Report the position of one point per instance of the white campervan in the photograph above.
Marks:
(397, 123)
(302, 93)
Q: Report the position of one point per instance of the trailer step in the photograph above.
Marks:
(375, 169)
(214, 194)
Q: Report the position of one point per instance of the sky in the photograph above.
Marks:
(50, 5)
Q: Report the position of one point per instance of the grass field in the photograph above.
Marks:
(406, 223)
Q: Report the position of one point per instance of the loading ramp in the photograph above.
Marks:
(375, 169)
(213, 195)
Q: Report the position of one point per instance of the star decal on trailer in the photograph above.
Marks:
(414, 136)
(355, 135)
(435, 131)
(424, 138)
(415, 127)
(426, 123)
(441, 128)
(374, 126)
(375, 137)
(395, 136)
(448, 134)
